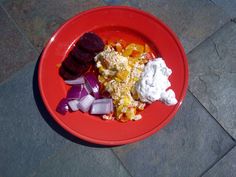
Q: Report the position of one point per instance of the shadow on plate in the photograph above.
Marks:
(48, 118)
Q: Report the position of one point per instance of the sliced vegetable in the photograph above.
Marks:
(77, 92)
(74, 105)
(91, 82)
(62, 106)
(77, 81)
(86, 102)
(102, 106)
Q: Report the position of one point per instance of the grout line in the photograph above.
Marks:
(212, 1)
(19, 29)
(213, 117)
(121, 162)
(233, 20)
(14, 74)
(210, 36)
(27, 41)
(218, 160)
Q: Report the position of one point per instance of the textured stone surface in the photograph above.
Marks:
(213, 73)
(229, 6)
(82, 161)
(15, 51)
(25, 136)
(39, 19)
(225, 167)
(191, 20)
(187, 146)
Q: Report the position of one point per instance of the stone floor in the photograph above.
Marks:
(200, 141)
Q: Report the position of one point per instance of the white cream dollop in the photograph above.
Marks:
(154, 83)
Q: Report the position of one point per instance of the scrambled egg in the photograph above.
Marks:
(119, 74)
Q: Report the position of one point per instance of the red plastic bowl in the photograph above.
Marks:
(112, 22)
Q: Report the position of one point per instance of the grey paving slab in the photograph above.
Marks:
(25, 136)
(82, 162)
(225, 167)
(39, 19)
(15, 51)
(192, 21)
(213, 73)
(229, 6)
(187, 146)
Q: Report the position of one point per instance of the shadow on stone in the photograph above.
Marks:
(48, 118)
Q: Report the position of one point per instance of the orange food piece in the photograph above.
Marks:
(123, 43)
(119, 47)
(124, 119)
(135, 54)
(58, 65)
(147, 48)
(111, 43)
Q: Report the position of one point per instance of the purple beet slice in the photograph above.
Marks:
(82, 56)
(73, 66)
(91, 42)
(66, 75)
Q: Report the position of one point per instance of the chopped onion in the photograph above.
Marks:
(86, 102)
(102, 106)
(79, 80)
(62, 106)
(92, 85)
(74, 105)
(77, 92)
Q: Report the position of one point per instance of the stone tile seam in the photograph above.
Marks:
(212, 1)
(121, 162)
(19, 29)
(210, 35)
(220, 7)
(15, 74)
(213, 117)
(216, 162)
(233, 20)
(61, 150)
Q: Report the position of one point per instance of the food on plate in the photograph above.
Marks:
(66, 74)
(118, 75)
(82, 55)
(123, 78)
(154, 83)
(91, 42)
(62, 106)
(73, 66)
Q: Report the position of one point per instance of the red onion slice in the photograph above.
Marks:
(74, 105)
(102, 106)
(85, 103)
(92, 85)
(79, 80)
(77, 92)
(62, 106)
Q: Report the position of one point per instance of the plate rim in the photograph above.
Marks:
(139, 137)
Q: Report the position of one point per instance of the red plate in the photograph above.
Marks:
(113, 22)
